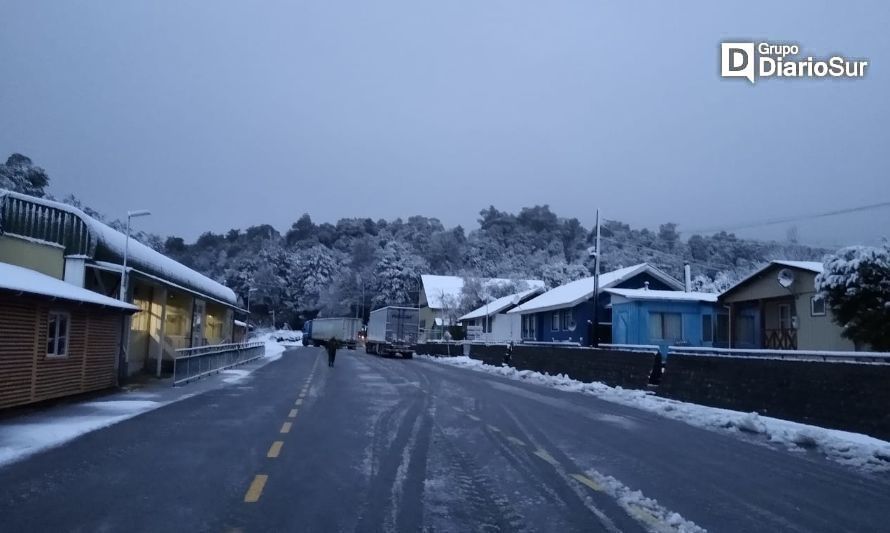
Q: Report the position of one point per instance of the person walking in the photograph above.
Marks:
(331, 347)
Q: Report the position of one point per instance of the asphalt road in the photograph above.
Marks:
(405, 445)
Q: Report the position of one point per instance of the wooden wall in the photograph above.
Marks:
(27, 375)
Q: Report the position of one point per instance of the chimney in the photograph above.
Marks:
(687, 275)
(645, 285)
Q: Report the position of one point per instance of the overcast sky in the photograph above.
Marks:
(220, 114)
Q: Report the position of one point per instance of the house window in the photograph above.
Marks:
(528, 327)
(568, 320)
(707, 328)
(817, 306)
(57, 334)
(784, 316)
(554, 324)
(665, 326)
(423, 325)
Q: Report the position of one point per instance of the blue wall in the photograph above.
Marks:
(630, 324)
(583, 313)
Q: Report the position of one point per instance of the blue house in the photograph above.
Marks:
(565, 313)
(663, 318)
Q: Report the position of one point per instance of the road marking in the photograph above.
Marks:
(285, 428)
(492, 428)
(589, 482)
(292, 414)
(299, 401)
(474, 417)
(515, 441)
(275, 449)
(546, 456)
(256, 488)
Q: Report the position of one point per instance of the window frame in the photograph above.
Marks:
(659, 315)
(555, 320)
(790, 323)
(54, 336)
(813, 300)
(707, 334)
(568, 320)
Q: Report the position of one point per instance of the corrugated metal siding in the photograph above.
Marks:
(28, 375)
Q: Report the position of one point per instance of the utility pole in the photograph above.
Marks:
(596, 283)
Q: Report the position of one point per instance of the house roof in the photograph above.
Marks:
(677, 296)
(110, 245)
(571, 294)
(500, 304)
(809, 266)
(19, 279)
(437, 287)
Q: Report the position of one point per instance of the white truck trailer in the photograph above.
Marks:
(393, 330)
(345, 330)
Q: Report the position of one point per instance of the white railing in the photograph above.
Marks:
(814, 355)
(194, 363)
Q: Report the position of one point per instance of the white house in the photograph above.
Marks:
(491, 323)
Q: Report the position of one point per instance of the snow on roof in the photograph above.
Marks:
(19, 279)
(571, 294)
(140, 255)
(500, 304)
(240, 323)
(437, 287)
(811, 266)
(646, 294)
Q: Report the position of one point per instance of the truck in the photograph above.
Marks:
(393, 330)
(320, 330)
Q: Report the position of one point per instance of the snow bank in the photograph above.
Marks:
(851, 449)
(277, 341)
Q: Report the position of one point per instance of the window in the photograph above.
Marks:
(554, 325)
(665, 326)
(528, 327)
(57, 334)
(568, 320)
(784, 316)
(707, 328)
(817, 306)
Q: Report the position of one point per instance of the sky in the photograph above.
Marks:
(224, 114)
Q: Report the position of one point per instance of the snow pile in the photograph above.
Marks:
(277, 341)
(19, 279)
(31, 434)
(851, 449)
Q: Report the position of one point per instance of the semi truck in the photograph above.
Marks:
(320, 330)
(393, 330)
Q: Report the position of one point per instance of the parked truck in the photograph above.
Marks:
(393, 330)
(320, 330)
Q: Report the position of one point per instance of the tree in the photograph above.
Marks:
(19, 174)
(396, 275)
(856, 285)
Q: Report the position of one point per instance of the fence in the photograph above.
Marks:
(194, 363)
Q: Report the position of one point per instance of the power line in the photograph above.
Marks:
(784, 220)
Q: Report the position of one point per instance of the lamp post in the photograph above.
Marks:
(247, 321)
(124, 280)
(123, 357)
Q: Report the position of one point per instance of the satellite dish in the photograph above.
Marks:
(785, 277)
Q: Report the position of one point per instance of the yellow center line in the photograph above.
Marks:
(299, 401)
(474, 417)
(493, 428)
(256, 488)
(589, 482)
(292, 414)
(545, 456)
(285, 428)
(275, 449)
(514, 440)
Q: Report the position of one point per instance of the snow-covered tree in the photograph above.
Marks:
(396, 274)
(560, 273)
(19, 174)
(856, 286)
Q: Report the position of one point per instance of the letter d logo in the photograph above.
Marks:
(737, 60)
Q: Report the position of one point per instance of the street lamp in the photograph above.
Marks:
(130, 215)
(247, 321)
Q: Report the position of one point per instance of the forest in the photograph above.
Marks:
(357, 264)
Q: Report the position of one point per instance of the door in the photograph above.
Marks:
(198, 314)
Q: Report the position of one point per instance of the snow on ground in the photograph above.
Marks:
(30, 434)
(851, 449)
